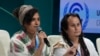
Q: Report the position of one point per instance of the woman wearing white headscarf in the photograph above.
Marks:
(27, 42)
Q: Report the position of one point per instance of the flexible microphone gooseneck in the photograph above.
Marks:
(45, 39)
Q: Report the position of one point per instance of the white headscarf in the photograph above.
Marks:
(23, 10)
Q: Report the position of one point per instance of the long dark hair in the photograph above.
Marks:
(64, 26)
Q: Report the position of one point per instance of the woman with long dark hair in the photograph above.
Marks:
(73, 42)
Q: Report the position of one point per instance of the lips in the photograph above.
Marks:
(35, 28)
(77, 32)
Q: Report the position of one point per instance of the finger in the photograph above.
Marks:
(44, 34)
(73, 50)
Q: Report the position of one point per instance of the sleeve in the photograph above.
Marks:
(91, 47)
(18, 49)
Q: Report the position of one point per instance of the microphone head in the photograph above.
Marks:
(39, 29)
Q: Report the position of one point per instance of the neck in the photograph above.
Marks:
(75, 40)
(31, 36)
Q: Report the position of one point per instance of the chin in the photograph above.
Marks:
(32, 32)
(77, 34)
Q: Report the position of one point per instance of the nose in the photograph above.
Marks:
(76, 27)
(37, 22)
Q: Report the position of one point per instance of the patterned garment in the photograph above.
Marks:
(21, 45)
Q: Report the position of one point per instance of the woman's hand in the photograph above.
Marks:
(71, 51)
(41, 36)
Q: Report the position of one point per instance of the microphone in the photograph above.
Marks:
(45, 39)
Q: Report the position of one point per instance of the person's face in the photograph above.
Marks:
(74, 27)
(32, 27)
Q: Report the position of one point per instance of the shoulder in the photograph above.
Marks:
(18, 35)
(91, 47)
(17, 38)
(16, 44)
(87, 41)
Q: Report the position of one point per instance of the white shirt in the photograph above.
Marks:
(62, 50)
